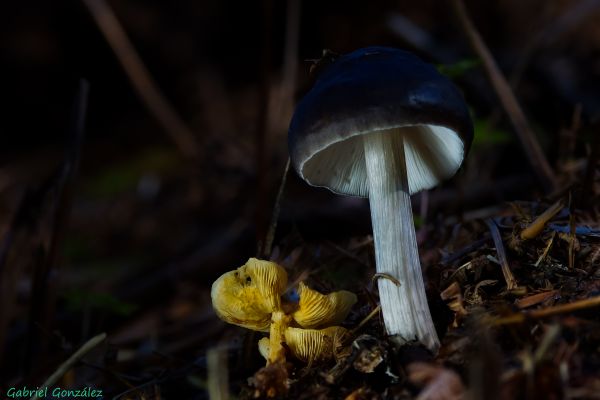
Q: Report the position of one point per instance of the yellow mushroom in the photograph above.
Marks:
(271, 348)
(314, 345)
(316, 310)
(249, 295)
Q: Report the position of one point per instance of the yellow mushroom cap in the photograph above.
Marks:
(248, 295)
(310, 345)
(317, 310)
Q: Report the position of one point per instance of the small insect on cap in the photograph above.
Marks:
(248, 295)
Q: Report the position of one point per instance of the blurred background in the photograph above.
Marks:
(123, 230)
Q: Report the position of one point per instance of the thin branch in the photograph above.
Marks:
(43, 302)
(549, 311)
(71, 361)
(268, 247)
(141, 79)
(457, 255)
(587, 192)
(511, 282)
(262, 130)
(276, 109)
(218, 373)
(537, 226)
(69, 171)
(508, 100)
(546, 250)
(362, 323)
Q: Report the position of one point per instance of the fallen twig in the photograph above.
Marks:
(548, 312)
(536, 299)
(457, 255)
(537, 226)
(507, 98)
(67, 365)
(268, 246)
(572, 238)
(546, 250)
(276, 107)
(511, 282)
(141, 79)
(365, 320)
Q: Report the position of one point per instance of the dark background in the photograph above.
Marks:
(146, 230)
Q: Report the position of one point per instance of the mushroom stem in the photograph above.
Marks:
(405, 311)
(279, 323)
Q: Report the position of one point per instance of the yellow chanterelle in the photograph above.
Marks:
(250, 296)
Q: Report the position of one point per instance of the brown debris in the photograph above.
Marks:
(271, 381)
(537, 298)
(550, 311)
(371, 355)
(454, 294)
(436, 381)
(362, 393)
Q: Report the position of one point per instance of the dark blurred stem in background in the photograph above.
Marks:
(142, 81)
(278, 107)
(270, 236)
(582, 10)
(24, 222)
(43, 295)
(508, 100)
(587, 192)
(262, 132)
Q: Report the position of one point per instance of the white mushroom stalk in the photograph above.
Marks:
(404, 307)
(381, 123)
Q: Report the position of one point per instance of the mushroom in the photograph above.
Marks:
(250, 297)
(380, 123)
(314, 345)
(310, 345)
(316, 310)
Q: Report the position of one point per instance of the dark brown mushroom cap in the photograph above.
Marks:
(379, 89)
